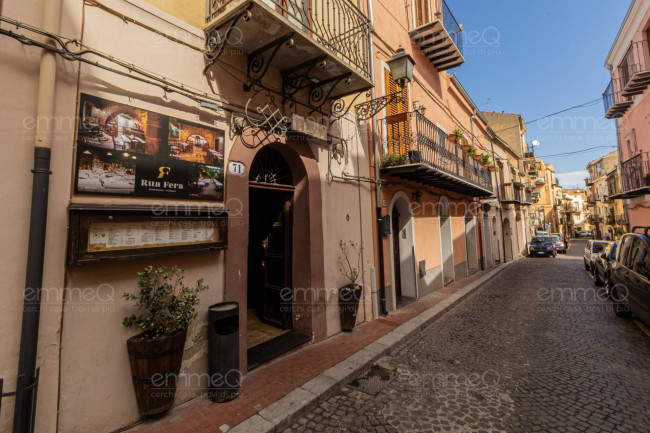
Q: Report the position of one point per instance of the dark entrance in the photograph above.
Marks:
(270, 292)
(397, 262)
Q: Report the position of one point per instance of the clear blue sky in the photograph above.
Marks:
(539, 57)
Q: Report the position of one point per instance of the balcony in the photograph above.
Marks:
(540, 181)
(319, 44)
(441, 40)
(635, 176)
(615, 104)
(426, 156)
(526, 197)
(510, 194)
(634, 69)
(592, 198)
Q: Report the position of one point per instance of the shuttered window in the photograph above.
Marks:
(397, 121)
(421, 12)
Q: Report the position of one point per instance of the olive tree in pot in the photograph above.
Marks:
(167, 308)
(349, 262)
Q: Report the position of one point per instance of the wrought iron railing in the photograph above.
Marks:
(451, 25)
(612, 94)
(420, 140)
(336, 24)
(509, 193)
(635, 172)
(635, 60)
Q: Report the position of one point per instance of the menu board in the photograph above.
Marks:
(99, 233)
(121, 236)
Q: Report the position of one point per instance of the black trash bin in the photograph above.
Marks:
(223, 353)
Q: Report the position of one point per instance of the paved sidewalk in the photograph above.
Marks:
(274, 394)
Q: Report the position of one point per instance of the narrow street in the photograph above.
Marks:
(536, 349)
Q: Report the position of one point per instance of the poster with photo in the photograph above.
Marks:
(128, 151)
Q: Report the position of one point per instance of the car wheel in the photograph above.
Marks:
(586, 265)
(619, 299)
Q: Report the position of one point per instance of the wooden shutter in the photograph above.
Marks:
(398, 130)
(421, 12)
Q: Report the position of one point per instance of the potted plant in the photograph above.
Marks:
(485, 159)
(457, 136)
(471, 152)
(392, 160)
(349, 262)
(493, 167)
(167, 307)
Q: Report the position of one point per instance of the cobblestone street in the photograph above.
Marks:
(536, 349)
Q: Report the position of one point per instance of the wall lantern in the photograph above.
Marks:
(401, 69)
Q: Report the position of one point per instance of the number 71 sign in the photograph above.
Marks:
(237, 168)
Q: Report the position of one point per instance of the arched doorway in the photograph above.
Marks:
(489, 261)
(446, 243)
(496, 243)
(520, 234)
(507, 239)
(470, 243)
(403, 252)
(264, 159)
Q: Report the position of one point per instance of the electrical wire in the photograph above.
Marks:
(590, 149)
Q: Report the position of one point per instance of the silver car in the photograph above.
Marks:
(592, 249)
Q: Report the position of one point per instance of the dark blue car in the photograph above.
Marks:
(542, 246)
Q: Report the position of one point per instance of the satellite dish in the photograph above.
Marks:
(535, 143)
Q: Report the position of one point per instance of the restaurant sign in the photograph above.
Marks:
(128, 151)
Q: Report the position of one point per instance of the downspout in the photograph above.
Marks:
(478, 207)
(503, 237)
(380, 240)
(25, 407)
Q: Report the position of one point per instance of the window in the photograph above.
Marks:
(639, 254)
(421, 12)
(623, 253)
(398, 130)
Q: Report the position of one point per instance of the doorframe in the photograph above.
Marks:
(308, 257)
(445, 200)
(402, 195)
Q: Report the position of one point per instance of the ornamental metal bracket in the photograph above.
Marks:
(366, 110)
(340, 109)
(269, 116)
(259, 61)
(215, 42)
(300, 77)
(319, 94)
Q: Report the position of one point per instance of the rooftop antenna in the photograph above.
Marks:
(488, 103)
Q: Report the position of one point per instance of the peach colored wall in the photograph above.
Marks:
(458, 234)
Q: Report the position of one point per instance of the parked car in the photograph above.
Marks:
(629, 282)
(560, 246)
(542, 246)
(585, 234)
(603, 264)
(592, 250)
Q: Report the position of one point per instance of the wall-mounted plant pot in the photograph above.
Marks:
(477, 157)
(349, 297)
(155, 365)
(492, 169)
(414, 156)
(465, 147)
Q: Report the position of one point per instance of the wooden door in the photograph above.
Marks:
(276, 262)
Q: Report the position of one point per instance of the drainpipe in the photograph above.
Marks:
(25, 407)
(478, 206)
(380, 239)
(503, 237)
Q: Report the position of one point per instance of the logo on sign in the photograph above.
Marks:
(163, 171)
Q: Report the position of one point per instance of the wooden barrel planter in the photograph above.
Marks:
(349, 306)
(155, 365)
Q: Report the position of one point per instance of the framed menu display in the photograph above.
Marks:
(128, 151)
(104, 233)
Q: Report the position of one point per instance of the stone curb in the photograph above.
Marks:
(284, 412)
